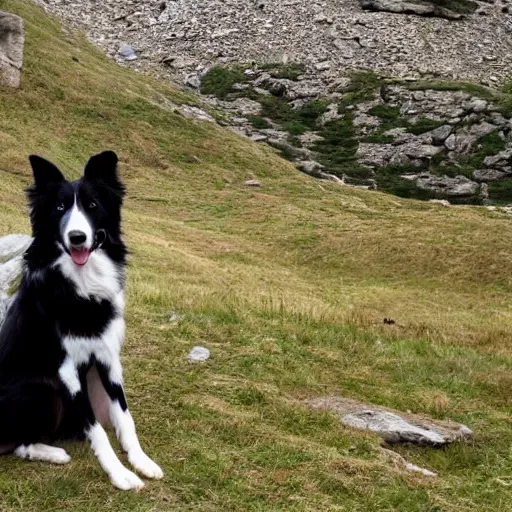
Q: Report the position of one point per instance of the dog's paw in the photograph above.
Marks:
(59, 456)
(144, 465)
(125, 480)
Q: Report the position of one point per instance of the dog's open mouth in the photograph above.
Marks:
(80, 256)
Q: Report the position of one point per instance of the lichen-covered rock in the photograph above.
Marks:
(12, 40)
(12, 248)
(393, 426)
(459, 186)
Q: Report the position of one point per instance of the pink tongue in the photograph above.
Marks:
(79, 256)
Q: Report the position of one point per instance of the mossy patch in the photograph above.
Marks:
(219, 81)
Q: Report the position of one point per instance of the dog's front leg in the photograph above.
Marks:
(76, 384)
(123, 422)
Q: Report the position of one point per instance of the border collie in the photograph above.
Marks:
(60, 370)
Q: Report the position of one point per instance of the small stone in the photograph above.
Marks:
(478, 105)
(252, 183)
(199, 354)
(175, 317)
(322, 66)
(258, 137)
(193, 81)
(126, 52)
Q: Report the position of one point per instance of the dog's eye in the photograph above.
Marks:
(92, 205)
(60, 207)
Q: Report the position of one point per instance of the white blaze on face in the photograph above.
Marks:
(76, 220)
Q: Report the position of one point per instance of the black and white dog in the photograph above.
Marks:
(60, 370)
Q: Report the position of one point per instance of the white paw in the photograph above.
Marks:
(59, 456)
(125, 480)
(144, 465)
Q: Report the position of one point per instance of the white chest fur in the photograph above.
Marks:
(100, 277)
(105, 349)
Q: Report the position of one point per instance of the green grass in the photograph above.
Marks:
(219, 81)
(459, 6)
(290, 71)
(423, 125)
(288, 286)
(258, 122)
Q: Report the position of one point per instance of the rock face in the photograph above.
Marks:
(401, 7)
(12, 248)
(192, 35)
(392, 426)
(460, 186)
(12, 40)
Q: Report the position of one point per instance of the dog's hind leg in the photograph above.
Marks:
(30, 412)
(42, 452)
(123, 422)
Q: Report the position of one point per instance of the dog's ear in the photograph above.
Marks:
(45, 173)
(102, 167)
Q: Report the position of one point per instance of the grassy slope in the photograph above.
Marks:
(288, 286)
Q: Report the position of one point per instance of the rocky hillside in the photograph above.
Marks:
(290, 74)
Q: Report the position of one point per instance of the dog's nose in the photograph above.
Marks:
(77, 237)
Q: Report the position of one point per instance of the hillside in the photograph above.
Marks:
(288, 285)
(380, 78)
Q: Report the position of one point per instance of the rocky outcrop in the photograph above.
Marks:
(12, 248)
(12, 39)
(459, 186)
(401, 7)
(393, 426)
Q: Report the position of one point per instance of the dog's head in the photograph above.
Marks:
(81, 216)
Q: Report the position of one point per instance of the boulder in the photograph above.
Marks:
(440, 134)
(460, 186)
(501, 159)
(489, 175)
(12, 248)
(393, 426)
(401, 7)
(12, 40)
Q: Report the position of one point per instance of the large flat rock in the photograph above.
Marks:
(12, 248)
(393, 426)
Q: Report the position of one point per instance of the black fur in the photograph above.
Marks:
(34, 404)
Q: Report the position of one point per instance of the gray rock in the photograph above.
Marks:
(311, 167)
(12, 248)
(460, 186)
(199, 355)
(126, 52)
(481, 129)
(322, 66)
(450, 142)
(193, 81)
(253, 183)
(401, 7)
(258, 137)
(418, 150)
(330, 114)
(501, 159)
(192, 112)
(366, 120)
(486, 175)
(308, 139)
(478, 105)
(393, 426)
(12, 40)
(440, 134)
